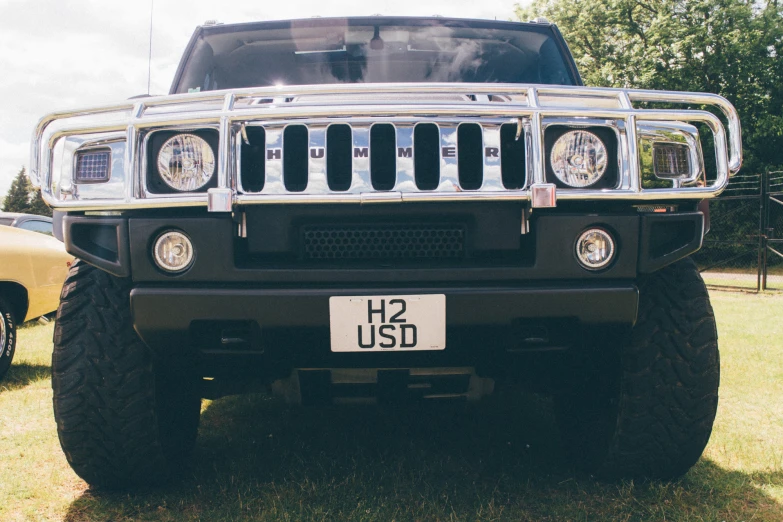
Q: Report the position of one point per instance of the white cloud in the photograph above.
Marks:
(57, 54)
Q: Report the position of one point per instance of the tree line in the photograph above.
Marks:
(729, 47)
(23, 197)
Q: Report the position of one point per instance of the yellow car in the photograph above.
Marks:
(33, 267)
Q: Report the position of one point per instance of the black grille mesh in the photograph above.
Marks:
(383, 242)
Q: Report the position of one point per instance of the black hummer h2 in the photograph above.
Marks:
(385, 209)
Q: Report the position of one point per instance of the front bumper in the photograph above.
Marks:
(496, 295)
(499, 253)
(265, 334)
(163, 316)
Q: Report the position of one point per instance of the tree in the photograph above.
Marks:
(37, 204)
(18, 197)
(729, 47)
(24, 198)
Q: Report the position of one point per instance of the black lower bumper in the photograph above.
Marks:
(518, 333)
(164, 316)
(273, 254)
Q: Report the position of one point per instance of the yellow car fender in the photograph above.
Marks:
(36, 262)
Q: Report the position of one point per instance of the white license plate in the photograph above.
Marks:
(388, 323)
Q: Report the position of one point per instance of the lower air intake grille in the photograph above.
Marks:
(384, 242)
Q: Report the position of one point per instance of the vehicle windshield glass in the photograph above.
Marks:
(236, 57)
(35, 225)
(6, 221)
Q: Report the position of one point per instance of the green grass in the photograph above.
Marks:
(258, 459)
(742, 279)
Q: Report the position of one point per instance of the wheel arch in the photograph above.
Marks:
(17, 297)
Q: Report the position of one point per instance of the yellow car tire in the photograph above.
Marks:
(7, 337)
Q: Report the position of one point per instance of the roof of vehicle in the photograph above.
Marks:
(18, 217)
(318, 21)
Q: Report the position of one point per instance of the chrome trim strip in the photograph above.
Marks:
(129, 163)
(316, 160)
(634, 170)
(527, 135)
(406, 178)
(538, 160)
(735, 128)
(223, 156)
(224, 147)
(273, 160)
(360, 150)
(316, 110)
(449, 162)
(493, 176)
(445, 113)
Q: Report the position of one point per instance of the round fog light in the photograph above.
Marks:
(173, 251)
(595, 248)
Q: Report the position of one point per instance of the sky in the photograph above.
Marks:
(61, 54)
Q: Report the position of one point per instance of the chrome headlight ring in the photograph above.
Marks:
(579, 158)
(186, 162)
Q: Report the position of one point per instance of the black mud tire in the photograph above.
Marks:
(648, 412)
(124, 418)
(7, 336)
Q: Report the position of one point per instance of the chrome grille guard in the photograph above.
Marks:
(531, 108)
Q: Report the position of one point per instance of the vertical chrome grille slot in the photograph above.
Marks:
(360, 181)
(316, 153)
(295, 158)
(449, 161)
(426, 157)
(338, 157)
(493, 175)
(253, 165)
(406, 181)
(273, 183)
(512, 157)
(469, 159)
(383, 144)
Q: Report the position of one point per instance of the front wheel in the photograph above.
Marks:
(123, 418)
(648, 413)
(7, 337)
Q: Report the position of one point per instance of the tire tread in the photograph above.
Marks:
(667, 394)
(103, 378)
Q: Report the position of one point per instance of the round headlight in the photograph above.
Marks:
(186, 162)
(595, 248)
(173, 251)
(578, 158)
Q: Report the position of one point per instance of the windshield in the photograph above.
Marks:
(336, 51)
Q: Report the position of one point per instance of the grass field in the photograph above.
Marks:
(257, 459)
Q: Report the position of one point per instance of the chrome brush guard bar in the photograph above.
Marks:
(531, 108)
